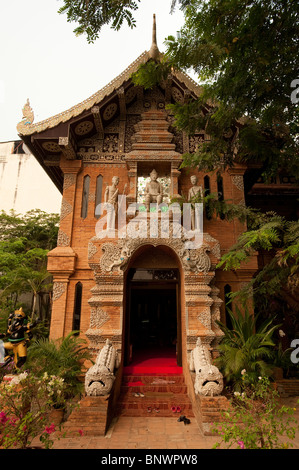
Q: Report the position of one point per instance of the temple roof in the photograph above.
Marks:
(64, 132)
(27, 127)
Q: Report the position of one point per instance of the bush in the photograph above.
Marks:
(62, 358)
(25, 405)
(245, 346)
(255, 420)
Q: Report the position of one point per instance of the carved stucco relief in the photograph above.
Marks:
(63, 239)
(238, 182)
(98, 317)
(69, 180)
(117, 255)
(59, 288)
(66, 209)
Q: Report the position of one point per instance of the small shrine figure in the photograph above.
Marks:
(111, 198)
(153, 190)
(18, 334)
(194, 191)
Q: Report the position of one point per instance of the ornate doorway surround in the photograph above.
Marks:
(200, 305)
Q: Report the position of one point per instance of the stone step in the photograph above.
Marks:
(160, 392)
(176, 389)
(151, 379)
(147, 407)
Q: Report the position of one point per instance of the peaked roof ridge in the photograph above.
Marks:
(76, 110)
(26, 127)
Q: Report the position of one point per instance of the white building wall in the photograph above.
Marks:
(24, 185)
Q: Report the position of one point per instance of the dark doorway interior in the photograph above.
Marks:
(153, 318)
(153, 326)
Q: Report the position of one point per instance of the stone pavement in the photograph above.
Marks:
(143, 433)
(156, 432)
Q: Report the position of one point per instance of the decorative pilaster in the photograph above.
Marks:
(70, 170)
(132, 174)
(175, 174)
(61, 264)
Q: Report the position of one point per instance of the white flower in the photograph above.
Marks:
(260, 378)
(281, 333)
(18, 378)
(237, 394)
(243, 371)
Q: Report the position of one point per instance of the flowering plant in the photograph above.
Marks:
(56, 389)
(255, 420)
(25, 405)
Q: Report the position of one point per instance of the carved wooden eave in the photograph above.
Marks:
(25, 129)
(60, 135)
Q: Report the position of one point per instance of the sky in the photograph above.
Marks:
(43, 60)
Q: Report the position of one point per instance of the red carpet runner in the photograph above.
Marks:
(153, 385)
(154, 362)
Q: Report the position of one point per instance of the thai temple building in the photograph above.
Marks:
(140, 291)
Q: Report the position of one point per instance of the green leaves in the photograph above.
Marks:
(255, 418)
(246, 346)
(246, 52)
(63, 358)
(151, 73)
(92, 15)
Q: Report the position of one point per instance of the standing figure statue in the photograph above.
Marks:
(18, 334)
(194, 191)
(111, 198)
(153, 190)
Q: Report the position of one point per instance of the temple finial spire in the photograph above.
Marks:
(154, 52)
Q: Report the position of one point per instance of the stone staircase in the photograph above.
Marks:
(161, 393)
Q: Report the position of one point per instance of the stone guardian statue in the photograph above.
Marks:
(100, 377)
(208, 379)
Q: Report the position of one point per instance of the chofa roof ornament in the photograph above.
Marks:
(28, 116)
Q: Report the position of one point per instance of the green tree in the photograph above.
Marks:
(24, 244)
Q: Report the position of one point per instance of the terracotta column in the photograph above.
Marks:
(61, 260)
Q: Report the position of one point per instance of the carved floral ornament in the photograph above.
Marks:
(238, 182)
(116, 255)
(59, 289)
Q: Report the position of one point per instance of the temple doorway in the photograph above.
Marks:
(153, 329)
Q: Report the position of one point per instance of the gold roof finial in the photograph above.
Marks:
(154, 52)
